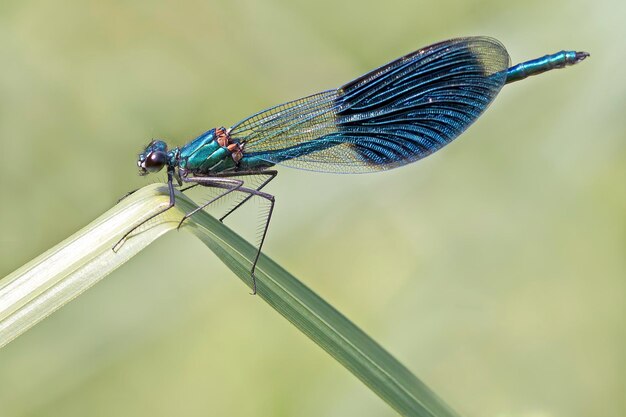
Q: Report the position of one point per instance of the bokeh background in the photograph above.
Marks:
(495, 269)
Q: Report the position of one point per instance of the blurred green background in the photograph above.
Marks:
(495, 269)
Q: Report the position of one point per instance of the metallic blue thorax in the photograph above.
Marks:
(204, 155)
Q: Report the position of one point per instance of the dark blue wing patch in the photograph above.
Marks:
(394, 115)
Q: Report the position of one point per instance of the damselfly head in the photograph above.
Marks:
(154, 158)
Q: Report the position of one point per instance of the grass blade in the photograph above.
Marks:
(43, 285)
(323, 324)
(46, 283)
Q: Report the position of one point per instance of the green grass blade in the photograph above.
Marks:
(323, 324)
(40, 287)
(46, 283)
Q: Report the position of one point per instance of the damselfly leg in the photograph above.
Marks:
(271, 175)
(170, 186)
(211, 182)
(229, 184)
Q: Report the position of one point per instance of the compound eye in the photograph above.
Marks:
(155, 161)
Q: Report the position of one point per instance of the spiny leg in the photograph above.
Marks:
(209, 181)
(271, 175)
(172, 201)
(182, 190)
(271, 199)
(229, 184)
(126, 195)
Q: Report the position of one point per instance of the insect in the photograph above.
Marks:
(394, 115)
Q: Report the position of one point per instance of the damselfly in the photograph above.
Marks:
(394, 115)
